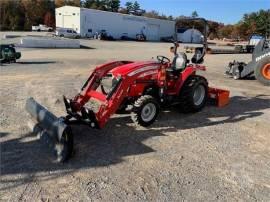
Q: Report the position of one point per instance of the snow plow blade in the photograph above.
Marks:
(55, 128)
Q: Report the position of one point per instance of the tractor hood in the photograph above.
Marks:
(134, 68)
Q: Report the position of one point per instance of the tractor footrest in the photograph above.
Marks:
(219, 97)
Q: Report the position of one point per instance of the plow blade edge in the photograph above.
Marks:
(50, 125)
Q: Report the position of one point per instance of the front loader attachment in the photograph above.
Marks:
(47, 124)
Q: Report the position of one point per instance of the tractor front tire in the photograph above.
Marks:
(145, 110)
(262, 71)
(193, 94)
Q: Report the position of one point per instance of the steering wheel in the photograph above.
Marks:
(163, 60)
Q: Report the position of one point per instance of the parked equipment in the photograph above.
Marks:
(140, 37)
(238, 48)
(103, 35)
(167, 39)
(259, 66)
(8, 53)
(41, 28)
(125, 37)
(66, 32)
(139, 88)
(249, 48)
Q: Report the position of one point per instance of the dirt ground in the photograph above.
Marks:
(218, 154)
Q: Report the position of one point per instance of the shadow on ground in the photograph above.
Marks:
(86, 47)
(249, 78)
(95, 148)
(36, 62)
(3, 134)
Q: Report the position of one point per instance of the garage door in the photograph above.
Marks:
(153, 32)
(67, 21)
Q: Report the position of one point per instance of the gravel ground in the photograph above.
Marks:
(218, 154)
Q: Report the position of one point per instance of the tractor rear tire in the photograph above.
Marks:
(145, 110)
(262, 71)
(193, 87)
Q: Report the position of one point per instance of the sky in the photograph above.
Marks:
(225, 11)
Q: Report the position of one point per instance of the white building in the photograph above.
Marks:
(89, 21)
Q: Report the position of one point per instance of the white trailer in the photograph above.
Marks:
(89, 21)
(189, 36)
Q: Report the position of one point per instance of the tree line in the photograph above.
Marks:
(255, 22)
(22, 14)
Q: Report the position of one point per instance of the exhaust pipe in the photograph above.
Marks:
(50, 125)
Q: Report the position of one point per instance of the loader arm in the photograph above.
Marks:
(108, 103)
(93, 82)
(122, 89)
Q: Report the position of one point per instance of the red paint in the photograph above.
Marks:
(136, 77)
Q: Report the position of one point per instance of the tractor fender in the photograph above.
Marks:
(188, 78)
(184, 76)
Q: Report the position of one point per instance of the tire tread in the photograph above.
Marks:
(135, 115)
(186, 94)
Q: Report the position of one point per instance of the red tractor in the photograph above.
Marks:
(141, 88)
(146, 86)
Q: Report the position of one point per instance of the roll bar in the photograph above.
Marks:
(205, 25)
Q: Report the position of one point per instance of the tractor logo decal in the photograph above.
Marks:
(148, 73)
(262, 56)
(142, 70)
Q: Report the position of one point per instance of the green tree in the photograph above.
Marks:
(136, 6)
(258, 22)
(97, 4)
(157, 15)
(194, 14)
(89, 4)
(112, 5)
(170, 17)
(129, 6)
(255, 22)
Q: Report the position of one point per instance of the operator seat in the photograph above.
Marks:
(179, 63)
(198, 56)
